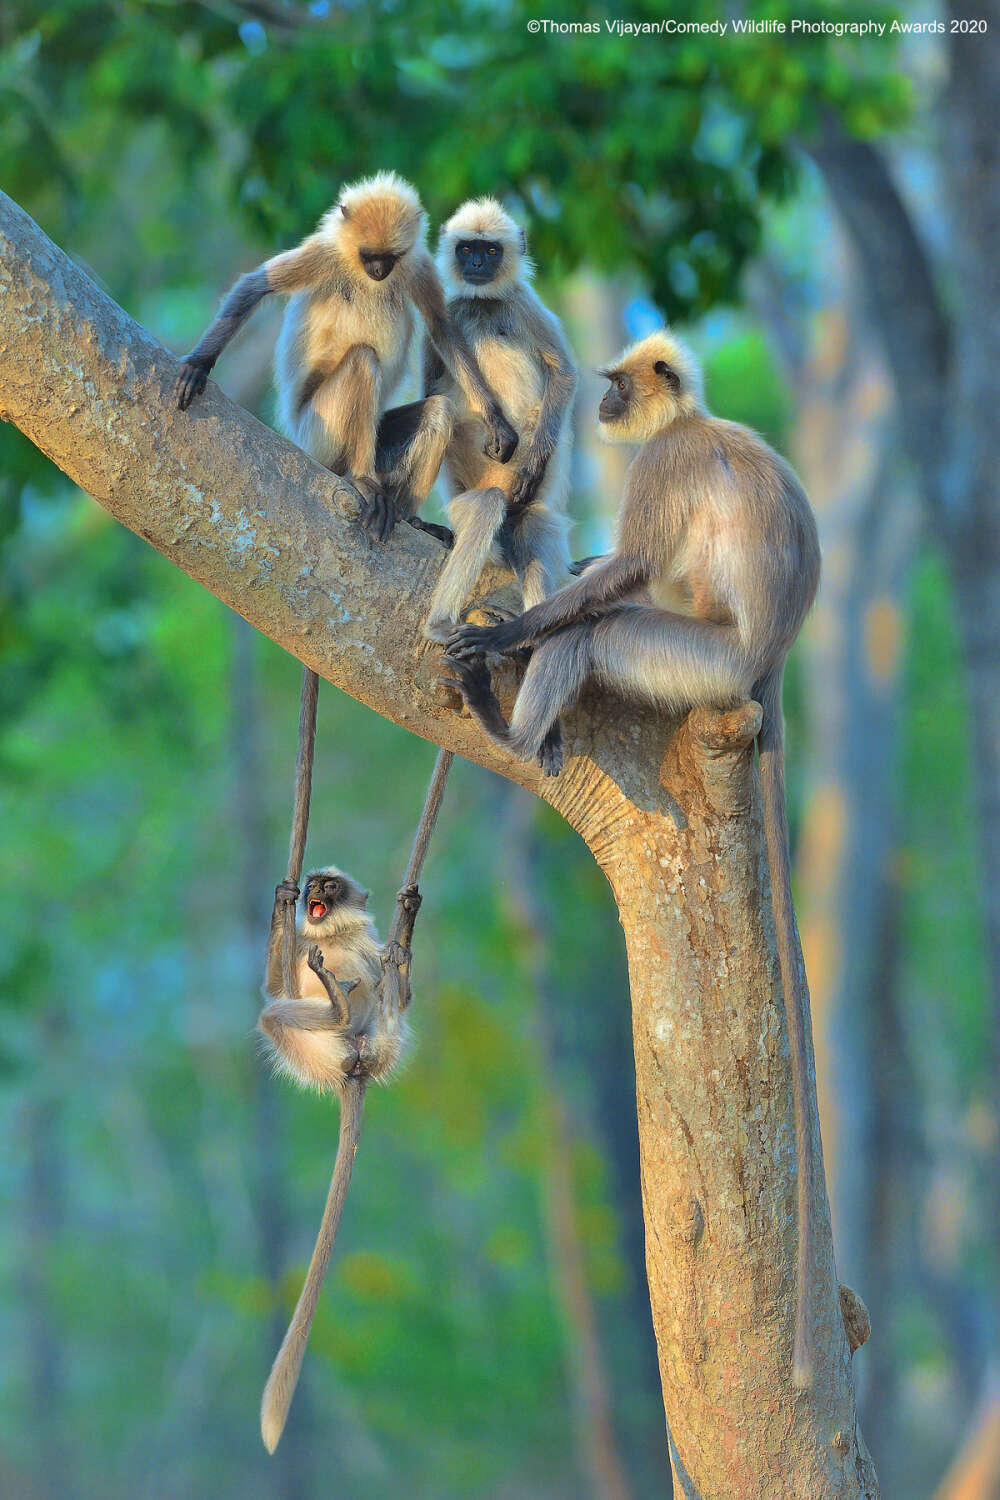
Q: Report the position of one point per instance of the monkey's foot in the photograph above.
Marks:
(436, 630)
(397, 956)
(550, 753)
(190, 382)
(378, 513)
(443, 533)
(410, 898)
(470, 678)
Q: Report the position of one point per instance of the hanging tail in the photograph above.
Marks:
(281, 1382)
(770, 745)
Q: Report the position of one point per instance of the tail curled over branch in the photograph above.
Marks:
(770, 745)
(284, 1374)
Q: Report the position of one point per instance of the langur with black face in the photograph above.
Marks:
(513, 512)
(714, 571)
(354, 286)
(338, 1034)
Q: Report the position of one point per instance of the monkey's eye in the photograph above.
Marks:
(620, 384)
(493, 249)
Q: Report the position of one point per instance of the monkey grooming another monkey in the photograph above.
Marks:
(340, 1033)
(354, 285)
(514, 512)
(716, 530)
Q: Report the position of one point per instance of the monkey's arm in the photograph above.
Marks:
(603, 586)
(292, 271)
(339, 993)
(285, 894)
(560, 388)
(455, 353)
(432, 368)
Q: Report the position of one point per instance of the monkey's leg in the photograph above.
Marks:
(477, 517)
(412, 442)
(675, 661)
(472, 679)
(337, 426)
(536, 546)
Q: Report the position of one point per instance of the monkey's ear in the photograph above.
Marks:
(364, 898)
(524, 243)
(670, 375)
(343, 210)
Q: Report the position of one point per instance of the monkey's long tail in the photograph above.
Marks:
(770, 744)
(281, 1382)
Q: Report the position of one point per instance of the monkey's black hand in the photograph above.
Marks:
(527, 483)
(191, 381)
(502, 439)
(483, 640)
(378, 513)
(286, 892)
(581, 566)
(314, 958)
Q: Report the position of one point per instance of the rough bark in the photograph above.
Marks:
(671, 814)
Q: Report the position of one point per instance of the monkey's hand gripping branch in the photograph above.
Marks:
(397, 954)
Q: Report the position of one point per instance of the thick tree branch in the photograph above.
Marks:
(671, 815)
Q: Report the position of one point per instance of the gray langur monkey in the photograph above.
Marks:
(715, 568)
(340, 1033)
(354, 285)
(515, 513)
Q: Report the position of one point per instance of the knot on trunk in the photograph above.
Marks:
(857, 1319)
(713, 748)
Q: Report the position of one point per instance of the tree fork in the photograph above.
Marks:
(671, 814)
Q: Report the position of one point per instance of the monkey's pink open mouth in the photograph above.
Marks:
(317, 911)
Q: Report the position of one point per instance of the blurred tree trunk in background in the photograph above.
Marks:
(251, 858)
(44, 1222)
(949, 392)
(598, 1458)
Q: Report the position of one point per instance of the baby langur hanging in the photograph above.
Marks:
(336, 1020)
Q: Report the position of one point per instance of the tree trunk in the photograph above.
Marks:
(671, 814)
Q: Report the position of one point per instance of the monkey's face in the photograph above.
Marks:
(644, 395)
(378, 264)
(478, 261)
(329, 896)
(617, 398)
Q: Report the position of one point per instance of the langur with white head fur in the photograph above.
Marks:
(354, 286)
(511, 513)
(337, 1034)
(714, 571)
